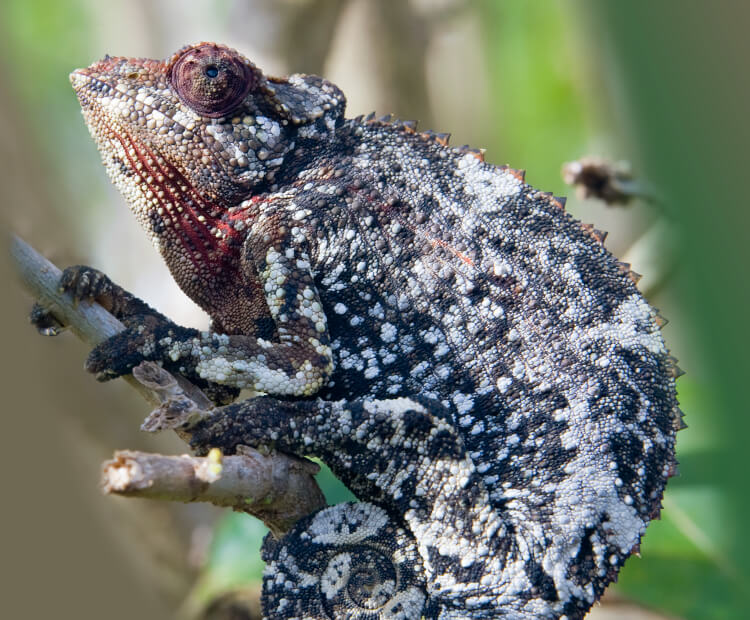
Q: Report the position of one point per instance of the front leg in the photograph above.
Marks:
(143, 327)
(297, 362)
(299, 359)
(118, 354)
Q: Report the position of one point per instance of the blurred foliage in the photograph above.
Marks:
(233, 559)
(680, 66)
(544, 113)
(41, 43)
(539, 118)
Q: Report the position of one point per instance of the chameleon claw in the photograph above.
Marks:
(45, 322)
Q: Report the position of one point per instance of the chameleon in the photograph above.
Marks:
(468, 358)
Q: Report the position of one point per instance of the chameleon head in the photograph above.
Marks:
(201, 131)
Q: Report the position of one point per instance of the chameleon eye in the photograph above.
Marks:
(211, 79)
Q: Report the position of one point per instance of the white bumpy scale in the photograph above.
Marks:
(468, 358)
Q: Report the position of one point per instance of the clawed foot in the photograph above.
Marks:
(45, 322)
(83, 284)
(88, 284)
(148, 335)
(145, 340)
(117, 355)
(149, 341)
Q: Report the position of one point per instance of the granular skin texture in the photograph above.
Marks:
(467, 357)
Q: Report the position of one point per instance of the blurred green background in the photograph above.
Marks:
(662, 85)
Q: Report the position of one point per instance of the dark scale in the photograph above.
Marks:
(466, 357)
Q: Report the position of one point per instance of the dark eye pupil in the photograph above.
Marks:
(211, 80)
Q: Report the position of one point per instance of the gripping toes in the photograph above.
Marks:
(149, 339)
(119, 354)
(83, 284)
(86, 284)
(45, 322)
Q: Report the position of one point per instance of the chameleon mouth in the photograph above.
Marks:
(77, 78)
(82, 82)
(89, 81)
(117, 92)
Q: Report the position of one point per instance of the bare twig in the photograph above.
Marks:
(611, 182)
(181, 403)
(89, 321)
(273, 487)
(276, 488)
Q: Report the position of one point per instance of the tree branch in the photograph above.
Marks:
(612, 182)
(272, 487)
(88, 321)
(276, 488)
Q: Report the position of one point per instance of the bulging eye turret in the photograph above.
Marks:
(212, 79)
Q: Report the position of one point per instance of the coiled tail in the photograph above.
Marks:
(346, 561)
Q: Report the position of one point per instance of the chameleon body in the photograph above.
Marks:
(467, 357)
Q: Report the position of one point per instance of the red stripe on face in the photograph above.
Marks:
(194, 235)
